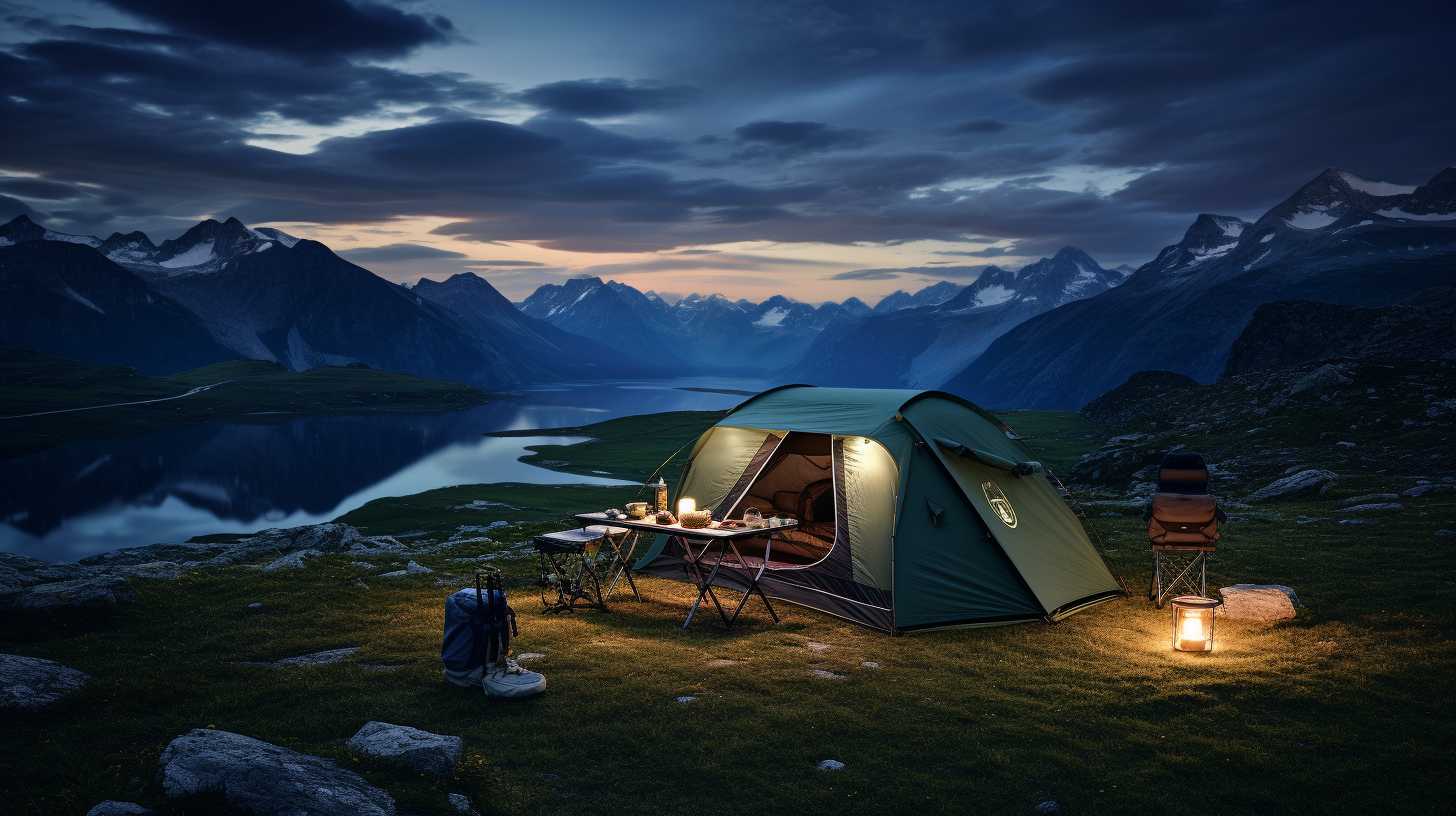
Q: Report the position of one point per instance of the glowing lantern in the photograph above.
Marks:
(686, 506)
(1193, 623)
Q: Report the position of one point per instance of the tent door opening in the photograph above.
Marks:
(797, 481)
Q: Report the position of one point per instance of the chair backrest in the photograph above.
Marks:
(1184, 473)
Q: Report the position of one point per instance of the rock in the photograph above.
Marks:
(261, 778)
(111, 807)
(1310, 480)
(1050, 807)
(363, 565)
(830, 765)
(32, 683)
(527, 657)
(1346, 445)
(869, 664)
(824, 674)
(1379, 507)
(685, 699)
(331, 537)
(721, 663)
(1322, 379)
(152, 570)
(1369, 497)
(1425, 489)
(817, 648)
(1257, 602)
(1446, 534)
(1354, 522)
(412, 568)
(99, 592)
(1308, 519)
(460, 803)
(431, 753)
(323, 658)
(292, 561)
(256, 606)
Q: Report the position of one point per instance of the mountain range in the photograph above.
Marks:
(1339, 239)
(223, 291)
(921, 346)
(698, 333)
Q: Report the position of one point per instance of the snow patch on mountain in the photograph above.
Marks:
(1376, 188)
(83, 300)
(1312, 219)
(993, 295)
(773, 317)
(196, 255)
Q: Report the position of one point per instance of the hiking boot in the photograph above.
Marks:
(508, 680)
(464, 679)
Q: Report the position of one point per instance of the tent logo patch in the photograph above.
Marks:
(999, 503)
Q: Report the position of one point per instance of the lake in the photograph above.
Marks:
(240, 476)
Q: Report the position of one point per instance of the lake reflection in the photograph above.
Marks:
(89, 497)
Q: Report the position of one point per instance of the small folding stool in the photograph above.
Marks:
(1183, 521)
(581, 567)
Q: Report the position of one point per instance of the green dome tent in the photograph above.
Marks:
(917, 510)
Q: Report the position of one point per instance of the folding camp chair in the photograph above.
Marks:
(580, 568)
(1183, 520)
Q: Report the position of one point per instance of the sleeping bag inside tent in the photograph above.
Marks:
(916, 510)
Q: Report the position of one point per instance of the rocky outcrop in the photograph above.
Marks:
(1290, 333)
(112, 807)
(97, 592)
(1264, 603)
(261, 778)
(1309, 480)
(32, 683)
(431, 753)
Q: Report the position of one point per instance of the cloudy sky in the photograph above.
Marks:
(819, 149)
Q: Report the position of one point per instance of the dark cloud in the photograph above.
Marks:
(37, 188)
(600, 98)
(980, 126)
(800, 137)
(504, 262)
(12, 207)
(399, 252)
(868, 122)
(987, 252)
(312, 29)
(890, 273)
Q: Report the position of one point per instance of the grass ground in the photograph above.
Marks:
(1345, 709)
(31, 382)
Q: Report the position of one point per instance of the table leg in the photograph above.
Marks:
(623, 566)
(706, 588)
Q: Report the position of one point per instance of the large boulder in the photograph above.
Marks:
(1264, 603)
(1309, 480)
(96, 592)
(261, 778)
(31, 683)
(292, 561)
(432, 753)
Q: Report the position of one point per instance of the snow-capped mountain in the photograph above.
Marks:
(700, 332)
(1338, 239)
(64, 297)
(510, 336)
(21, 229)
(923, 346)
(931, 295)
(222, 291)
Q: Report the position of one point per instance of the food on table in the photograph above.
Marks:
(665, 517)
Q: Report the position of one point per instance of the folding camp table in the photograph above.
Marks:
(719, 550)
(586, 565)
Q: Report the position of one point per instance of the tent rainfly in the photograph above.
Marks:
(917, 510)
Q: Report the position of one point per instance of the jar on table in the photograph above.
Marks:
(753, 518)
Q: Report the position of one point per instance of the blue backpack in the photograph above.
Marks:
(479, 625)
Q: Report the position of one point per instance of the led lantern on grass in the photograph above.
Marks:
(1193, 623)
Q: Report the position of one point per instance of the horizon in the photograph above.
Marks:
(822, 152)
